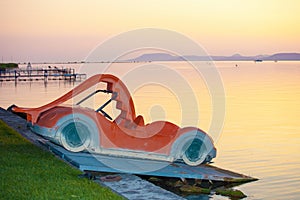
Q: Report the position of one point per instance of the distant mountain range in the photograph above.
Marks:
(235, 57)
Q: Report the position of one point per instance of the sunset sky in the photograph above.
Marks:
(65, 30)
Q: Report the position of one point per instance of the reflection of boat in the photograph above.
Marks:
(78, 128)
(258, 60)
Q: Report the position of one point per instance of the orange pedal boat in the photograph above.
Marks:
(78, 128)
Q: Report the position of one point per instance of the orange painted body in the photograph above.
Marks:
(154, 137)
(127, 131)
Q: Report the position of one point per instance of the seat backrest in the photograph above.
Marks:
(139, 120)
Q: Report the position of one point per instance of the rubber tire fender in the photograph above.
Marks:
(77, 132)
(192, 147)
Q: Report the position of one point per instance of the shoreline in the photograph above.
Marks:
(129, 186)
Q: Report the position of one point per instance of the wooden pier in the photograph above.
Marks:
(37, 74)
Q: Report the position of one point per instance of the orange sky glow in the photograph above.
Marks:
(66, 30)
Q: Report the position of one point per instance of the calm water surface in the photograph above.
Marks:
(261, 134)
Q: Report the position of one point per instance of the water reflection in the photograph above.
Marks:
(33, 93)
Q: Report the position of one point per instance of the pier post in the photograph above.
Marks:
(16, 75)
(45, 75)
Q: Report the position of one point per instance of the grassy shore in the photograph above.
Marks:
(27, 172)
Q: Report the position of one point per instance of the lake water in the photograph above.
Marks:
(261, 132)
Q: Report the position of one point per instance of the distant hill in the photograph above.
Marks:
(235, 57)
(283, 56)
(154, 57)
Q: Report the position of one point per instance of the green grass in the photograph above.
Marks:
(194, 189)
(235, 194)
(27, 172)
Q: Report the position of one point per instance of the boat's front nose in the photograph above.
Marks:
(19, 111)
